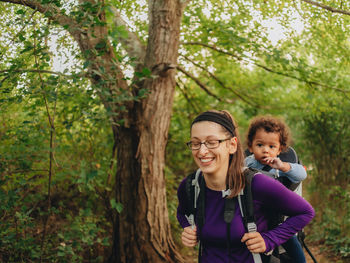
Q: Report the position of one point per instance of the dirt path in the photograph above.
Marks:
(316, 250)
(320, 256)
(317, 255)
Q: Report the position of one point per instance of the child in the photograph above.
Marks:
(267, 138)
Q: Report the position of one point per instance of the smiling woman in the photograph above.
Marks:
(214, 126)
(217, 151)
(210, 148)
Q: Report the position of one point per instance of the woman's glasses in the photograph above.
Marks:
(211, 144)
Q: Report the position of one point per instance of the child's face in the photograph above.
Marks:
(265, 144)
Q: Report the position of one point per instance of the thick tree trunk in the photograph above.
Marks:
(142, 231)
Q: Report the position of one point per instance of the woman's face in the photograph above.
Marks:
(212, 161)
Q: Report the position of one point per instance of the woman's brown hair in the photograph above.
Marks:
(235, 177)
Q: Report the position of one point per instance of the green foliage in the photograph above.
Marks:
(11, 230)
(334, 220)
(24, 162)
(82, 235)
(325, 145)
(233, 64)
(80, 166)
(328, 140)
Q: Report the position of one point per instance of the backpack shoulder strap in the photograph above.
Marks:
(189, 195)
(245, 200)
(195, 184)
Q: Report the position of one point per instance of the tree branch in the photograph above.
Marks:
(132, 43)
(215, 49)
(221, 83)
(24, 26)
(249, 60)
(51, 119)
(54, 11)
(329, 8)
(104, 70)
(184, 93)
(198, 82)
(35, 71)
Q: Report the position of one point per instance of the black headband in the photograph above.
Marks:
(219, 118)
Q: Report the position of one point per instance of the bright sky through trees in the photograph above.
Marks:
(274, 32)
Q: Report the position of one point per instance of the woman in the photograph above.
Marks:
(218, 153)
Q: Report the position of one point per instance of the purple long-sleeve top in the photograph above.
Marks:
(267, 194)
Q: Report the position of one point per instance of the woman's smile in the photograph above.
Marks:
(207, 160)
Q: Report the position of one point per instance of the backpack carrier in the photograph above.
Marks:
(195, 208)
(289, 156)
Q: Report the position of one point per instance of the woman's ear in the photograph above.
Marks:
(233, 145)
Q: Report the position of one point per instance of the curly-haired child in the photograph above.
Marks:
(267, 137)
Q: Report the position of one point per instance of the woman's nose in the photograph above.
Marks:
(202, 149)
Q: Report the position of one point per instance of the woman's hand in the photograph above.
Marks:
(189, 237)
(254, 242)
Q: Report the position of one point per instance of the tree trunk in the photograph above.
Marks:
(142, 229)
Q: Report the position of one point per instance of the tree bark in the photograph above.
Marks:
(142, 231)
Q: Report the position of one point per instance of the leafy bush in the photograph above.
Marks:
(326, 143)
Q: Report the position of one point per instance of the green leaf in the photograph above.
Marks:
(100, 45)
(146, 72)
(120, 31)
(117, 206)
(86, 64)
(20, 12)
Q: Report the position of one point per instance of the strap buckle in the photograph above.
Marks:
(190, 220)
(251, 226)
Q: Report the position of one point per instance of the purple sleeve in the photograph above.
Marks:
(272, 194)
(181, 195)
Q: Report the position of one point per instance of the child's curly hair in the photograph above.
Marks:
(269, 124)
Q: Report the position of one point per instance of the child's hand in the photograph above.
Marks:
(189, 237)
(276, 163)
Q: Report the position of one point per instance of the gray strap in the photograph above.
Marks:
(251, 228)
(240, 203)
(196, 187)
(194, 182)
(257, 258)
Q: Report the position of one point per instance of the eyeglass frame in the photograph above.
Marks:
(205, 143)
